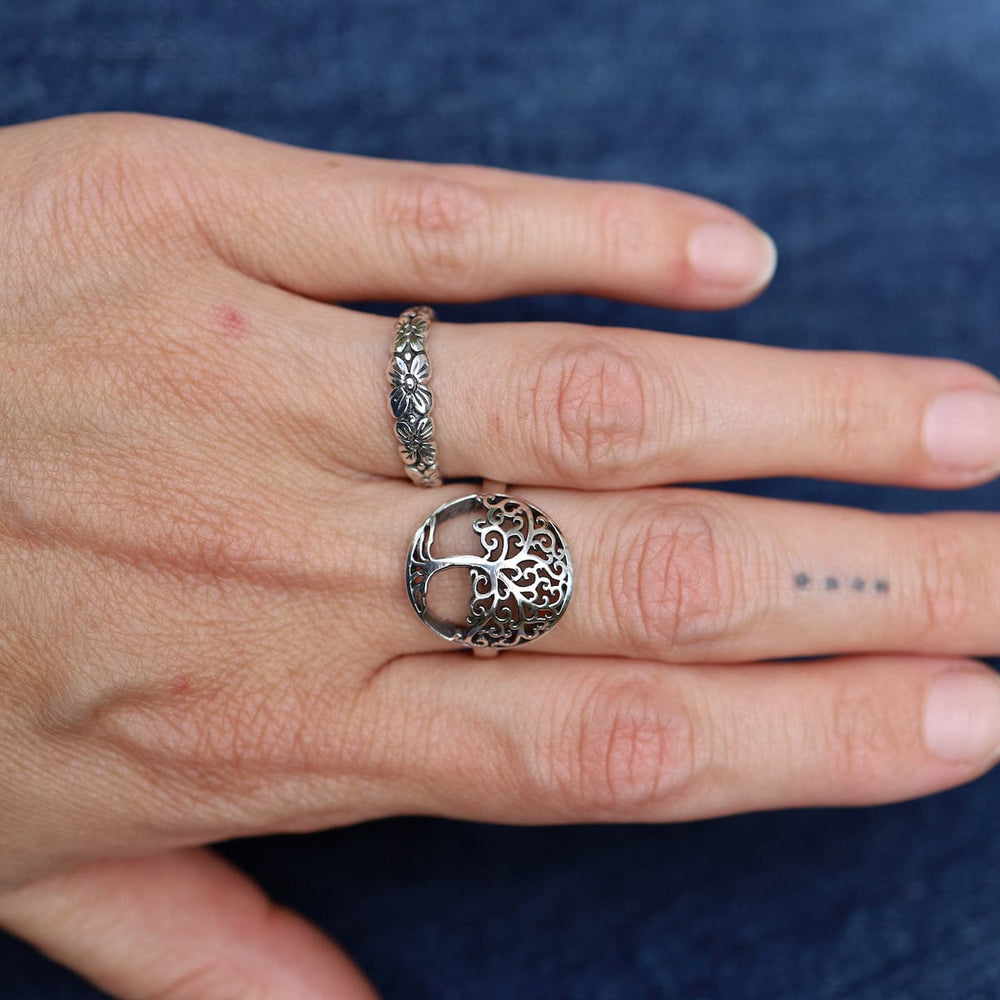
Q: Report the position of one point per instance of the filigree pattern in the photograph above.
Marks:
(410, 397)
(521, 583)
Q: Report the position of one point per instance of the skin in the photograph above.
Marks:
(203, 512)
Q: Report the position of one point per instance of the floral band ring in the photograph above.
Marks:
(410, 397)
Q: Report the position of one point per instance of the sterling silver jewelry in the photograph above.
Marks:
(521, 582)
(410, 397)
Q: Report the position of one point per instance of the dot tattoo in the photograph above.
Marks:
(855, 584)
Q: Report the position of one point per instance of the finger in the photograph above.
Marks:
(601, 409)
(690, 575)
(334, 226)
(536, 738)
(559, 405)
(704, 576)
(185, 925)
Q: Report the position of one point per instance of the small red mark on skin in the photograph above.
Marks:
(181, 684)
(230, 323)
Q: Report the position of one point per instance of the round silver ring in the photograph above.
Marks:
(522, 580)
(410, 396)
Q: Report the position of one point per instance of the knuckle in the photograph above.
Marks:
(441, 229)
(115, 180)
(625, 747)
(673, 581)
(863, 721)
(622, 225)
(109, 178)
(944, 582)
(848, 414)
(588, 404)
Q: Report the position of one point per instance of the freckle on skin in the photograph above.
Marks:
(181, 684)
(230, 323)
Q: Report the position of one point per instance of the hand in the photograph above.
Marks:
(204, 521)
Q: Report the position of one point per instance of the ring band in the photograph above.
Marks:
(410, 396)
(521, 581)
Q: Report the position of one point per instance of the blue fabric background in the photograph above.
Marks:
(865, 136)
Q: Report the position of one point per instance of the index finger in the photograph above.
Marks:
(336, 226)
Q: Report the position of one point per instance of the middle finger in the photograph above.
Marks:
(686, 575)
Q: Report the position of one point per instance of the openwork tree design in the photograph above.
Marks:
(521, 583)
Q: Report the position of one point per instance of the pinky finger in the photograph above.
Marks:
(532, 738)
(184, 926)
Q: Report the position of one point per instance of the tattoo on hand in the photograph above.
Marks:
(857, 584)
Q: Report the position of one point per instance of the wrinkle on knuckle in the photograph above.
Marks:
(117, 184)
(625, 748)
(673, 581)
(944, 582)
(588, 402)
(440, 229)
(861, 730)
(621, 229)
(848, 413)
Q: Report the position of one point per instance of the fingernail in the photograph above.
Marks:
(962, 430)
(962, 716)
(732, 255)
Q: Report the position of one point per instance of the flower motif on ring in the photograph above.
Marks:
(408, 377)
(418, 437)
(410, 336)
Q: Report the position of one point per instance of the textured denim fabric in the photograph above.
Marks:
(865, 136)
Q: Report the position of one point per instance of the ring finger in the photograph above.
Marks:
(559, 405)
(567, 739)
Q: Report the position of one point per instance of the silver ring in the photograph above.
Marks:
(410, 396)
(521, 581)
